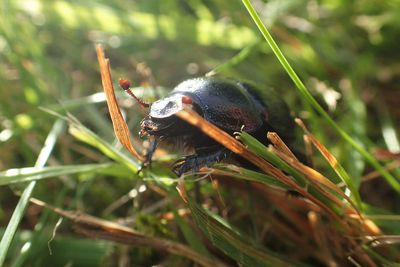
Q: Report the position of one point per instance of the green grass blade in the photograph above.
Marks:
(231, 242)
(257, 147)
(29, 174)
(83, 134)
(235, 60)
(250, 175)
(191, 236)
(311, 100)
(23, 201)
(75, 103)
(344, 176)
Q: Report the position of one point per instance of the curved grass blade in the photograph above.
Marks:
(29, 174)
(85, 135)
(191, 237)
(23, 201)
(235, 60)
(299, 171)
(232, 243)
(258, 148)
(249, 175)
(340, 171)
(313, 103)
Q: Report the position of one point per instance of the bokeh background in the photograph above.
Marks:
(346, 52)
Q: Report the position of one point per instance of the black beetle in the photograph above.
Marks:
(231, 105)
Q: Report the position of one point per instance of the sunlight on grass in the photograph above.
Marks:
(333, 193)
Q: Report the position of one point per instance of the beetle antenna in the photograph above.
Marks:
(125, 85)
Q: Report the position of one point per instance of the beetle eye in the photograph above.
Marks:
(187, 100)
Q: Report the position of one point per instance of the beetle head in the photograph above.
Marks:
(162, 121)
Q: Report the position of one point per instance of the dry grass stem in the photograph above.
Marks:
(280, 145)
(102, 229)
(120, 128)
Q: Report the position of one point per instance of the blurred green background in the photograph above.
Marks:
(346, 52)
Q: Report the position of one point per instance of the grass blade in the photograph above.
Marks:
(340, 171)
(313, 103)
(23, 202)
(29, 174)
(297, 169)
(249, 175)
(191, 237)
(231, 242)
(85, 135)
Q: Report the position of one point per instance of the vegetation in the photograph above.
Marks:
(71, 194)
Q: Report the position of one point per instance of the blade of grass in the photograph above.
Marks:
(336, 166)
(29, 174)
(249, 175)
(235, 60)
(85, 135)
(388, 129)
(294, 167)
(231, 242)
(193, 239)
(311, 100)
(23, 202)
(258, 148)
(39, 240)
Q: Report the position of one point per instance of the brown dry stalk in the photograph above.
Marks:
(281, 150)
(98, 228)
(323, 150)
(280, 145)
(317, 179)
(321, 238)
(120, 128)
(375, 174)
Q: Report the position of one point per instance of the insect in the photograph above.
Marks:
(231, 105)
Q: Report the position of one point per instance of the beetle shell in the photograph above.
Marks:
(224, 103)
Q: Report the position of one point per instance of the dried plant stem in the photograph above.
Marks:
(102, 229)
(120, 128)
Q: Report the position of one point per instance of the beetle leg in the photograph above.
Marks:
(195, 162)
(150, 151)
(149, 154)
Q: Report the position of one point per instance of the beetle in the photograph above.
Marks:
(229, 104)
